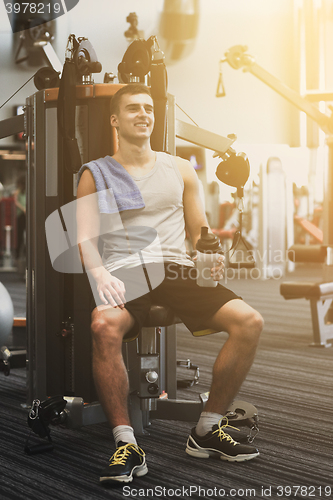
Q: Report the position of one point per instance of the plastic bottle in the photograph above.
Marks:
(208, 249)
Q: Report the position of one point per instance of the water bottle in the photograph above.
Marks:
(208, 249)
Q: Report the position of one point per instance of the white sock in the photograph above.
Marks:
(124, 433)
(206, 421)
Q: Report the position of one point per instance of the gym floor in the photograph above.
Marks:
(290, 383)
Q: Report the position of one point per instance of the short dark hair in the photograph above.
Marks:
(131, 89)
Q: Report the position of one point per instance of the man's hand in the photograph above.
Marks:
(111, 290)
(218, 271)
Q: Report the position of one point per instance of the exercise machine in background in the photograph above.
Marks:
(320, 295)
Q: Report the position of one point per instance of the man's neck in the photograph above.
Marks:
(135, 157)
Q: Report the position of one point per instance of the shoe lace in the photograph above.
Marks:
(223, 435)
(122, 453)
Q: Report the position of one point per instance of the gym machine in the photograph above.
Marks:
(320, 295)
(66, 128)
(6, 324)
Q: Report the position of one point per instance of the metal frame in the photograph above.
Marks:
(55, 301)
(321, 305)
(322, 329)
(143, 410)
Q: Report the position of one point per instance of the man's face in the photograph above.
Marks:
(135, 119)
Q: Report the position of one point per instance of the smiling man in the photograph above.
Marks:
(171, 204)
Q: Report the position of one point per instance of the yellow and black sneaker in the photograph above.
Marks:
(219, 444)
(128, 460)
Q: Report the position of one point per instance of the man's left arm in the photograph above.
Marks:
(194, 210)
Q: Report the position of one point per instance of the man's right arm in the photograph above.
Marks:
(110, 289)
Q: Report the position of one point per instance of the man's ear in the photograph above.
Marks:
(113, 121)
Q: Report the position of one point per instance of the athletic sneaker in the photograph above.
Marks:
(128, 460)
(218, 444)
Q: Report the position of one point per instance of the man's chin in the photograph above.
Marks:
(144, 134)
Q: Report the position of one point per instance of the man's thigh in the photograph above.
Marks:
(195, 305)
(232, 314)
(137, 304)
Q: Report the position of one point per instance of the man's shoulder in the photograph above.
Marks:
(186, 168)
(86, 183)
(181, 163)
(183, 166)
(89, 168)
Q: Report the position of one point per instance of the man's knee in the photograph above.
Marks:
(256, 322)
(247, 324)
(251, 324)
(107, 329)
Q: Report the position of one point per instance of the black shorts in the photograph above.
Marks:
(193, 304)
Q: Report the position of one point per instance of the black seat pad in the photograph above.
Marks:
(304, 289)
(161, 316)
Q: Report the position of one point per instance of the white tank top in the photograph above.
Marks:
(155, 233)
